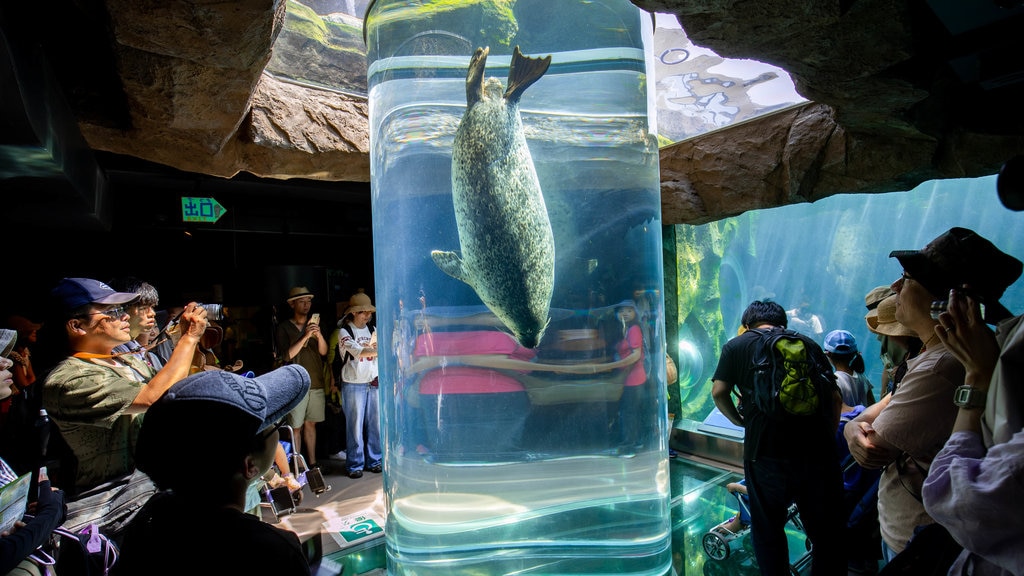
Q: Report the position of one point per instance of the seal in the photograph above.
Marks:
(508, 249)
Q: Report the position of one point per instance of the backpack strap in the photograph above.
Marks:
(350, 335)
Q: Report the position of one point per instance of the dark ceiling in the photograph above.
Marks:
(74, 210)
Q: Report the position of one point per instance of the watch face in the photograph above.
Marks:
(969, 397)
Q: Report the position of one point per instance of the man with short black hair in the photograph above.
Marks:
(784, 461)
(96, 395)
(141, 317)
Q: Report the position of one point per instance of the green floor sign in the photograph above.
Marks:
(359, 527)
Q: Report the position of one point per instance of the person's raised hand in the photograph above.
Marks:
(313, 330)
(964, 333)
(194, 321)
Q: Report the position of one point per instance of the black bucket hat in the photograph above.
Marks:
(960, 256)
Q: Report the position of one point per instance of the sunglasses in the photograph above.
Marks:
(112, 314)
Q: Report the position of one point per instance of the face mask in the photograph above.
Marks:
(252, 493)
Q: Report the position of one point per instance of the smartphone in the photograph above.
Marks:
(940, 306)
(314, 318)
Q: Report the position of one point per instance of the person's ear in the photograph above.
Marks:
(252, 469)
(74, 326)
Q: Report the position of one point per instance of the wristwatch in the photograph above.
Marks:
(969, 397)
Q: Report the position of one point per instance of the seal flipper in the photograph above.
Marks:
(475, 76)
(451, 264)
(523, 72)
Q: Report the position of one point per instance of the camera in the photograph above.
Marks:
(213, 311)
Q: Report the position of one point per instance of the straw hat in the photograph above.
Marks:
(359, 302)
(876, 295)
(299, 292)
(882, 320)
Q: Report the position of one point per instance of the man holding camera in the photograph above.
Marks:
(96, 395)
(299, 341)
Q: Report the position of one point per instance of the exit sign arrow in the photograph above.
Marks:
(195, 209)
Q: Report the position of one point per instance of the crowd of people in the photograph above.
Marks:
(938, 457)
(124, 395)
(938, 450)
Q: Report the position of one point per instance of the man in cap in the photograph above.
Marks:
(95, 395)
(226, 426)
(357, 344)
(300, 341)
(905, 429)
(976, 478)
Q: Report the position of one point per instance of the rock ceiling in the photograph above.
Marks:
(899, 97)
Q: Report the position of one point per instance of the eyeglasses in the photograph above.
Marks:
(112, 314)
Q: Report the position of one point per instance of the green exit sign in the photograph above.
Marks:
(195, 209)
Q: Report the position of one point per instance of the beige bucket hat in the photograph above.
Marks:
(359, 302)
(882, 320)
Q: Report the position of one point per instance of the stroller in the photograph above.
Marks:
(281, 496)
(719, 542)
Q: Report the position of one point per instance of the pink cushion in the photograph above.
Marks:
(467, 380)
(469, 343)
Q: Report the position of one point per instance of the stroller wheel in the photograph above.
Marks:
(716, 547)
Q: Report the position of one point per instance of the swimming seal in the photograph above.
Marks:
(508, 250)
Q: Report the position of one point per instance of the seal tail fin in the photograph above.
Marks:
(475, 76)
(523, 72)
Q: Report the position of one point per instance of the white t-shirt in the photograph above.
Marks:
(356, 370)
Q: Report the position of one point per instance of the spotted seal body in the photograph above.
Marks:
(508, 250)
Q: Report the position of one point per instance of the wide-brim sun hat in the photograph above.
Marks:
(299, 292)
(876, 295)
(359, 302)
(961, 257)
(882, 320)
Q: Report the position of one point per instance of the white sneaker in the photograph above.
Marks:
(339, 456)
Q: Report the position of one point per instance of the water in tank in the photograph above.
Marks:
(518, 266)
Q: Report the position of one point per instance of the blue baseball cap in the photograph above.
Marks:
(840, 342)
(74, 293)
(207, 419)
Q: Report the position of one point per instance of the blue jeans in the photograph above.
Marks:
(361, 404)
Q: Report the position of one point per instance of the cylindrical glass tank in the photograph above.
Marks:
(517, 247)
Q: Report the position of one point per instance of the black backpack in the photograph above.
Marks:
(792, 376)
